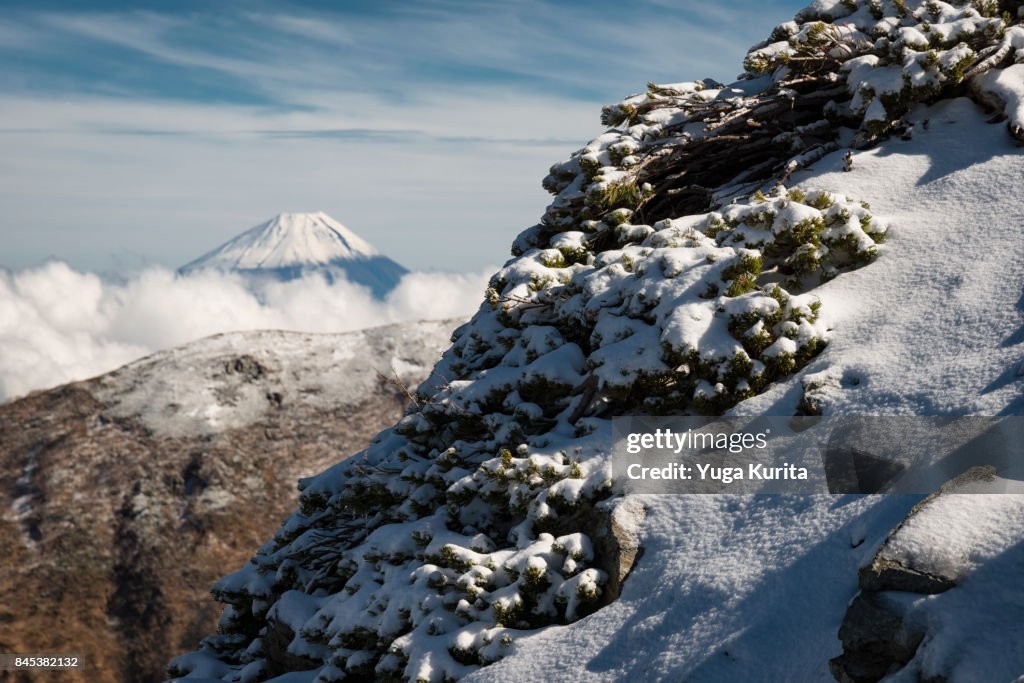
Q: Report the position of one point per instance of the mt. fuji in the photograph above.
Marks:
(292, 245)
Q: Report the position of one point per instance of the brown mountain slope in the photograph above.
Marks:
(122, 498)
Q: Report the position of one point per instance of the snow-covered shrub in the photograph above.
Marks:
(672, 273)
(470, 520)
(891, 54)
(842, 73)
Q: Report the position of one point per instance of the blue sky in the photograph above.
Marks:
(149, 132)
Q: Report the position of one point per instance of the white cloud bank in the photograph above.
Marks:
(58, 325)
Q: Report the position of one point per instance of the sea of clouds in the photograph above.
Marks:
(58, 324)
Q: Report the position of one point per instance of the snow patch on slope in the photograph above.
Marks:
(755, 588)
(225, 381)
(729, 588)
(935, 326)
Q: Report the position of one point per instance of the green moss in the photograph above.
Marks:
(714, 225)
(311, 503)
(571, 255)
(804, 261)
(540, 282)
(364, 498)
(450, 558)
(535, 581)
(739, 368)
(959, 70)
(815, 307)
(543, 391)
(777, 293)
(714, 404)
(809, 350)
(619, 114)
(807, 230)
(508, 615)
(465, 656)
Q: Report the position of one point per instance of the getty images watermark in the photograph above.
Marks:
(817, 455)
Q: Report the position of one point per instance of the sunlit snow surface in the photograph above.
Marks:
(934, 326)
(754, 588)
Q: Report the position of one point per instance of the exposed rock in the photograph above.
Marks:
(126, 496)
(876, 641)
(890, 575)
(891, 570)
(878, 634)
(617, 543)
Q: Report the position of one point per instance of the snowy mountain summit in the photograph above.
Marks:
(293, 245)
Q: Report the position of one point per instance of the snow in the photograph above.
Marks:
(293, 609)
(1008, 85)
(956, 534)
(292, 245)
(951, 346)
(729, 588)
(448, 567)
(289, 239)
(755, 588)
(975, 628)
(222, 382)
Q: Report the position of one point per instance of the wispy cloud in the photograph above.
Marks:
(425, 125)
(568, 48)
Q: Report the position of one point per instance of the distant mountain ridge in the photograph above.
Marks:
(292, 245)
(124, 496)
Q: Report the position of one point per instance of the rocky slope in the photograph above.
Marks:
(125, 496)
(713, 250)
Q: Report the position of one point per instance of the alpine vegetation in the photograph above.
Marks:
(675, 272)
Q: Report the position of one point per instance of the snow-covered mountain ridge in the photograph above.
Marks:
(805, 240)
(125, 495)
(291, 245)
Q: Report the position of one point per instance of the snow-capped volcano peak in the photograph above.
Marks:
(291, 245)
(290, 239)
